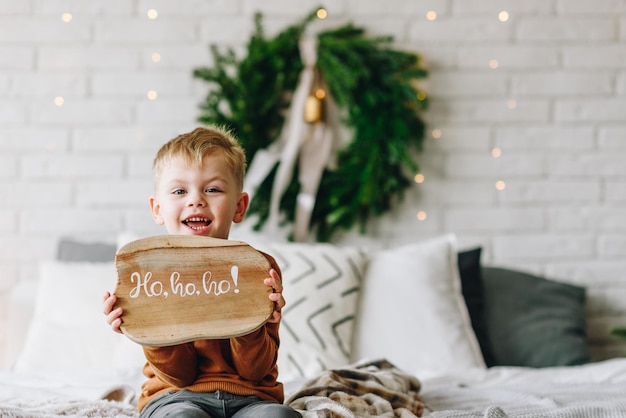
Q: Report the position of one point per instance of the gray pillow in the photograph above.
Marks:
(71, 250)
(532, 321)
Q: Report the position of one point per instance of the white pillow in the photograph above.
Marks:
(412, 311)
(321, 286)
(19, 310)
(68, 332)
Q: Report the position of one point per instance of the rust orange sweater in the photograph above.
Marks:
(243, 365)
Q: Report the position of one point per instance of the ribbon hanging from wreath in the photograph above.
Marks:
(290, 102)
(306, 139)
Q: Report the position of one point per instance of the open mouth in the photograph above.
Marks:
(197, 223)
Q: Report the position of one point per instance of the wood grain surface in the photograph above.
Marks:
(180, 288)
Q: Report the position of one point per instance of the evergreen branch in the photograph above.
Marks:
(619, 332)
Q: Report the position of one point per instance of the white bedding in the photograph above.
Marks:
(592, 390)
(71, 385)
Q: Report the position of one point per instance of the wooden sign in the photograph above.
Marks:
(180, 288)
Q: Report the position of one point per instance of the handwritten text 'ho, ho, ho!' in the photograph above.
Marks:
(145, 286)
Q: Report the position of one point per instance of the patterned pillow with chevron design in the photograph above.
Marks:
(321, 284)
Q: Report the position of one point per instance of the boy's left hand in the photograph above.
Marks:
(276, 296)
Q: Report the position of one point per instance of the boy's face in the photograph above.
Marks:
(193, 199)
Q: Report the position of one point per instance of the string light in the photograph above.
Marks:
(322, 13)
(156, 57)
(421, 215)
(419, 178)
(431, 15)
(59, 100)
(67, 17)
(152, 14)
(320, 93)
(436, 133)
(421, 96)
(152, 95)
(496, 152)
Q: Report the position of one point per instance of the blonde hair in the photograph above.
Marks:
(195, 145)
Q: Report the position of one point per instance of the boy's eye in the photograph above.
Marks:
(178, 191)
(212, 190)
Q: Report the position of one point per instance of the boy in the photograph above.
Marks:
(198, 179)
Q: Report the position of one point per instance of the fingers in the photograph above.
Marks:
(115, 323)
(113, 316)
(274, 281)
(275, 318)
(276, 296)
(114, 320)
(108, 301)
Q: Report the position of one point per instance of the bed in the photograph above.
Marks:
(422, 329)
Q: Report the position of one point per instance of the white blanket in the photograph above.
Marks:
(589, 391)
(53, 408)
(584, 401)
(68, 395)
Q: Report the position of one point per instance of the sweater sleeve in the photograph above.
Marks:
(175, 365)
(255, 354)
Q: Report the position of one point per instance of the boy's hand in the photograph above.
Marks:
(114, 316)
(276, 296)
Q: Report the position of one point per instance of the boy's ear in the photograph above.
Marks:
(242, 207)
(155, 208)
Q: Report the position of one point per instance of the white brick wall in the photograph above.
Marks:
(555, 106)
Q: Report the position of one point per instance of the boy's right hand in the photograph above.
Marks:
(114, 316)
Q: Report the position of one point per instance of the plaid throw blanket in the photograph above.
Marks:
(374, 389)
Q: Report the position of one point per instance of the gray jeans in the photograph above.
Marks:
(217, 404)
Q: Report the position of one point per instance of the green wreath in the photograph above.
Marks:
(372, 84)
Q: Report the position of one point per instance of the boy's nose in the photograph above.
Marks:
(196, 199)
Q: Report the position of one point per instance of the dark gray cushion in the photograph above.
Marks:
(472, 287)
(532, 321)
(72, 250)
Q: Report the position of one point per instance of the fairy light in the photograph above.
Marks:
(322, 13)
(493, 64)
(152, 95)
(155, 57)
(421, 96)
(152, 14)
(320, 93)
(503, 16)
(59, 101)
(431, 15)
(419, 178)
(421, 215)
(67, 17)
(496, 152)
(511, 104)
(436, 133)
(500, 185)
